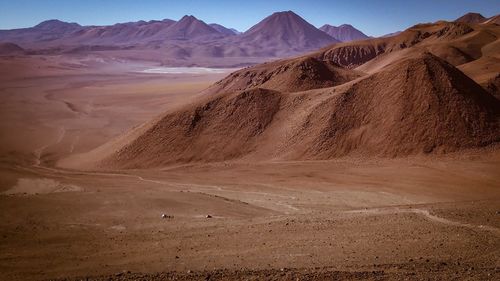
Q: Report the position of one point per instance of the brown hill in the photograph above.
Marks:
(354, 54)
(292, 75)
(224, 126)
(418, 105)
(406, 97)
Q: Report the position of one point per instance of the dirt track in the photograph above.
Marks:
(340, 227)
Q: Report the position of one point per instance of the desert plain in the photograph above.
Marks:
(376, 218)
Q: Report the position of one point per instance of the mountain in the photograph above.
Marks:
(344, 33)
(176, 42)
(190, 41)
(120, 33)
(418, 105)
(438, 36)
(56, 33)
(224, 30)
(415, 93)
(189, 27)
(57, 26)
(304, 73)
(43, 32)
(286, 32)
(471, 18)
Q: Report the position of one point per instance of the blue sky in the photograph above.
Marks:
(371, 16)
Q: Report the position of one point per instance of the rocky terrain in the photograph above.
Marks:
(341, 101)
(374, 159)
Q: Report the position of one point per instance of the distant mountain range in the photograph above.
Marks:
(189, 41)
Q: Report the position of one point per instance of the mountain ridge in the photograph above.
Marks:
(344, 32)
(278, 35)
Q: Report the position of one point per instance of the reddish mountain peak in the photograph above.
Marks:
(287, 17)
(188, 18)
(289, 28)
(190, 27)
(471, 18)
(191, 20)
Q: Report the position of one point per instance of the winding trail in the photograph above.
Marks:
(428, 216)
(283, 206)
(208, 189)
(218, 189)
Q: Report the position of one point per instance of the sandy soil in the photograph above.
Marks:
(410, 218)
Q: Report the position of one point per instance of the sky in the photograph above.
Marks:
(373, 17)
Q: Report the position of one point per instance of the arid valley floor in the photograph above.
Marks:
(407, 218)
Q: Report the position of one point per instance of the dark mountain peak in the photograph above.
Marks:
(54, 23)
(189, 27)
(471, 18)
(474, 15)
(285, 13)
(287, 20)
(188, 18)
(286, 31)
